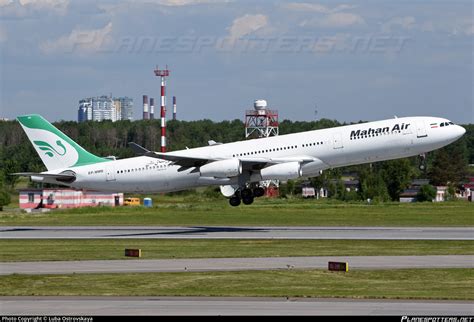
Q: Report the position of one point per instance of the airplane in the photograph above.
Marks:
(237, 167)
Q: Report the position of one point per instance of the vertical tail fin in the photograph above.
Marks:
(55, 149)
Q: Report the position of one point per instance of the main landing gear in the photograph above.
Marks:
(246, 196)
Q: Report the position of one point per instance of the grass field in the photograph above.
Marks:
(453, 284)
(264, 212)
(62, 250)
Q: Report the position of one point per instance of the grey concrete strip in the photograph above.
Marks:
(388, 233)
(90, 306)
(234, 264)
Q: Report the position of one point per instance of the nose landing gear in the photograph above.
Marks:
(422, 159)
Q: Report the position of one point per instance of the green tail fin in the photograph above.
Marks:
(55, 149)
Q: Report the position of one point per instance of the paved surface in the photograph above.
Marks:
(234, 264)
(226, 306)
(401, 233)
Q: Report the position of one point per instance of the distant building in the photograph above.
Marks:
(467, 190)
(84, 112)
(55, 198)
(124, 105)
(103, 108)
(410, 194)
(350, 184)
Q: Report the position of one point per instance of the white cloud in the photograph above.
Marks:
(335, 20)
(3, 35)
(469, 30)
(44, 3)
(407, 23)
(23, 8)
(80, 40)
(342, 19)
(314, 7)
(456, 27)
(4, 3)
(246, 25)
(330, 17)
(173, 3)
(463, 27)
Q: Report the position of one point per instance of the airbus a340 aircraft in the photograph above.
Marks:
(236, 167)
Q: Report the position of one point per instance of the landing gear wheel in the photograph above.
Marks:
(234, 201)
(246, 193)
(258, 192)
(247, 200)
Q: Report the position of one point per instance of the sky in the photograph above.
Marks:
(349, 60)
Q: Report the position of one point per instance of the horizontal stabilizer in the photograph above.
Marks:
(61, 177)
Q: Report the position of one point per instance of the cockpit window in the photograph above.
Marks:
(446, 124)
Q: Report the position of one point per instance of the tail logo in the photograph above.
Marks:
(50, 150)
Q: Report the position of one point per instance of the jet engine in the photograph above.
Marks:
(222, 169)
(282, 171)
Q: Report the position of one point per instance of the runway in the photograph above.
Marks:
(90, 306)
(387, 233)
(234, 264)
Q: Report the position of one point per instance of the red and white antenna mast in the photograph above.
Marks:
(163, 73)
(174, 107)
(146, 115)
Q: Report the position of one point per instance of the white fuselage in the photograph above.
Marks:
(331, 148)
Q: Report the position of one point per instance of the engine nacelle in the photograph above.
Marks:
(222, 169)
(282, 171)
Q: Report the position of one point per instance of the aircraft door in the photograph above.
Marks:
(110, 173)
(420, 129)
(337, 141)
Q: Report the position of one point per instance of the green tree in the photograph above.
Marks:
(427, 193)
(372, 184)
(449, 164)
(10, 166)
(397, 175)
(5, 197)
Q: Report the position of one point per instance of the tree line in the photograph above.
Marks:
(382, 180)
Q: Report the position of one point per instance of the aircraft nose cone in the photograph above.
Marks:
(461, 130)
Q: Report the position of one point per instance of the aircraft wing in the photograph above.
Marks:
(138, 149)
(184, 161)
(248, 163)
